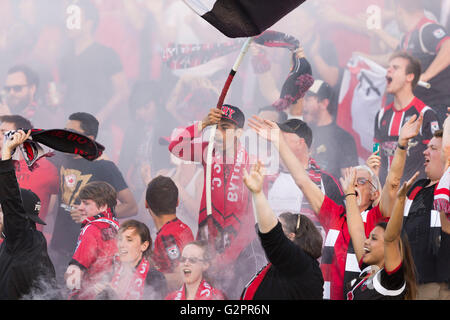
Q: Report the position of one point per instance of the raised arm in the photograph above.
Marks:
(14, 218)
(265, 217)
(389, 192)
(440, 62)
(269, 130)
(392, 234)
(183, 147)
(354, 220)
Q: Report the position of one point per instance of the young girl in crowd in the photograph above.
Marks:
(134, 277)
(195, 262)
(385, 256)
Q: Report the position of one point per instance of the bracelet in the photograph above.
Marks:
(350, 194)
(402, 147)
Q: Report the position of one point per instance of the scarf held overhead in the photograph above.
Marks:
(57, 139)
(184, 56)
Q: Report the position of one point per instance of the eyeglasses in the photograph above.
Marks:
(16, 89)
(191, 260)
(362, 181)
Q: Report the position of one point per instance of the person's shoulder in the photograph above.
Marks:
(422, 107)
(105, 163)
(338, 130)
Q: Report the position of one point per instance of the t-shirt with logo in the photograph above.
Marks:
(382, 285)
(424, 43)
(74, 175)
(169, 243)
(388, 124)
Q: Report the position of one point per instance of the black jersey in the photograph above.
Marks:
(382, 285)
(388, 123)
(424, 42)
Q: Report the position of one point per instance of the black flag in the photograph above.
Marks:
(242, 18)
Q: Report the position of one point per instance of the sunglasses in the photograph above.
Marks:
(191, 260)
(16, 89)
(362, 181)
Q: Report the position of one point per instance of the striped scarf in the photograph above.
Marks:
(184, 56)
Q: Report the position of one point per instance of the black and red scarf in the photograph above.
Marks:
(57, 139)
(184, 56)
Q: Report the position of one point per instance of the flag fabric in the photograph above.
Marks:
(361, 96)
(242, 18)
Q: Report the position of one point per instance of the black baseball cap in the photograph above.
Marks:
(321, 90)
(32, 205)
(233, 114)
(299, 127)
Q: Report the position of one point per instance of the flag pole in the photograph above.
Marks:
(233, 71)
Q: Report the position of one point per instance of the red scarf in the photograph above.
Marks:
(229, 198)
(133, 289)
(102, 218)
(204, 292)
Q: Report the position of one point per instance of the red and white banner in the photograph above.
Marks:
(360, 98)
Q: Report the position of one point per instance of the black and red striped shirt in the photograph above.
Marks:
(388, 123)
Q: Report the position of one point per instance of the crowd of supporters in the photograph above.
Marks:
(324, 175)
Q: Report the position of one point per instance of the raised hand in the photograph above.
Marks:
(374, 162)
(254, 181)
(16, 140)
(348, 180)
(266, 129)
(212, 118)
(406, 186)
(410, 129)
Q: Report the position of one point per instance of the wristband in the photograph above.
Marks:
(402, 147)
(350, 194)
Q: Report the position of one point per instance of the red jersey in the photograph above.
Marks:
(204, 292)
(169, 243)
(335, 256)
(95, 251)
(43, 181)
(230, 227)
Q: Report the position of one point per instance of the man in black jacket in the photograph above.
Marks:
(26, 271)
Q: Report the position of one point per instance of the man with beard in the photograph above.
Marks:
(333, 147)
(21, 98)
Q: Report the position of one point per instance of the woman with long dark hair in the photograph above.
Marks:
(388, 270)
